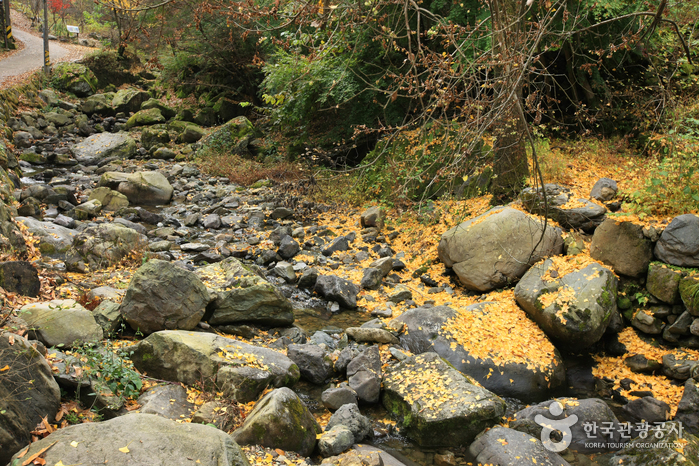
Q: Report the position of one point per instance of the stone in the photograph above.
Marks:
(647, 323)
(687, 409)
(97, 103)
(335, 398)
(518, 370)
(216, 413)
(286, 271)
(371, 280)
(348, 415)
(61, 322)
(168, 401)
(313, 362)
(334, 288)
(647, 409)
(680, 366)
(308, 278)
(640, 364)
(334, 441)
(129, 100)
(53, 239)
(239, 370)
(338, 244)
(638, 452)
(573, 309)
(288, 247)
(622, 246)
(20, 277)
(689, 293)
(108, 316)
(88, 209)
(373, 217)
(28, 393)
(459, 411)
(371, 335)
(240, 295)
(280, 420)
(104, 145)
(496, 248)
(111, 200)
(162, 296)
(561, 206)
(663, 282)
(505, 446)
(148, 117)
(582, 411)
(604, 190)
(108, 243)
(140, 188)
(364, 375)
(679, 243)
(75, 78)
(211, 221)
(149, 439)
(232, 137)
(166, 111)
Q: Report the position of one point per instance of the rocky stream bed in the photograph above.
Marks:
(323, 325)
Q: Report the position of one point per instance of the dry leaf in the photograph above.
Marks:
(6, 368)
(36, 455)
(124, 449)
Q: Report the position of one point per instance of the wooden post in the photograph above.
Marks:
(2, 22)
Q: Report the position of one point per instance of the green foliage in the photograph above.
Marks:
(108, 365)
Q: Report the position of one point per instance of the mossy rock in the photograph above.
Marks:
(167, 112)
(149, 117)
(689, 291)
(74, 78)
(233, 137)
(154, 136)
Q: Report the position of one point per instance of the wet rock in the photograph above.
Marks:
(496, 248)
(240, 295)
(661, 451)
(61, 322)
(150, 440)
(338, 289)
(458, 411)
(680, 366)
(623, 246)
(162, 296)
(687, 412)
(23, 407)
(313, 362)
(280, 420)
(647, 409)
(679, 243)
(364, 375)
(504, 446)
(640, 364)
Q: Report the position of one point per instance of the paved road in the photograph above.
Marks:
(31, 57)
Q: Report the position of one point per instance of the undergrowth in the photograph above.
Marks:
(246, 172)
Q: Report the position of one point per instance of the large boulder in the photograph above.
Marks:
(141, 188)
(138, 439)
(240, 295)
(563, 207)
(660, 447)
(679, 243)
(162, 296)
(504, 446)
(28, 393)
(497, 248)
(280, 420)
(129, 100)
(104, 145)
(20, 277)
(233, 137)
(570, 298)
(75, 78)
(154, 137)
(438, 406)
(239, 370)
(334, 288)
(313, 361)
(108, 243)
(578, 416)
(53, 239)
(98, 103)
(111, 200)
(149, 117)
(526, 366)
(663, 282)
(623, 246)
(61, 322)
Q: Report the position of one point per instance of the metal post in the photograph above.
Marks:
(47, 60)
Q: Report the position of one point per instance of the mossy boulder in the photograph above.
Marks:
(111, 200)
(104, 145)
(280, 420)
(154, 136)
(436, 405)
(232, 137)
(61, 322)
(98, 103)
(226, 109)
(149, 117)
(140, 188)
(74, 78)
(662, 450)
(689, 291)
(166, 111)
(663, 282)
(129, 100)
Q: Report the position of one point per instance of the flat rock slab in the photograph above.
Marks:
(437, 405)
(53, 239)
(61, 322)
(141, 188)
(508, 447)
(103, 145)
(242, 371)
(526, 366)
(139, 439)
(240, 295)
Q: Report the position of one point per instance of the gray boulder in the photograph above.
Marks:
(374, 216)
(241, 371)
(61, 322)
(111, 200)
(108, 243)
(371, 335)
(437, 405)
(168, 401)
(604, 190)
(334, 398)
(364, 375)
(98, 103)
(108, 316)
(314, 363)
(139, 439)
(679, 243)
(348, 415)
(334, 441)
(509, 447)
(53, 239)
(232, 137)
(334, 288)
(561, 206)
(687, 412)
(240, 295)
(573, 309)
(663, 282)
(75, 78)
(280, 420)
(28, 393)
(104, 145)
(528, 367)
(497, 248)
(141, 188)
(129, 100)
(623, 246)
(662, 450)
(162, 296)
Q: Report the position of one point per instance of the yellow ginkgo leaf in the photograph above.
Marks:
(60, 463)
(124, 449)
(74, 444)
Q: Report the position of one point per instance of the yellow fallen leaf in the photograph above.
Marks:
(60, 463)
(74, 444)
(124, 449)
(6, 368)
